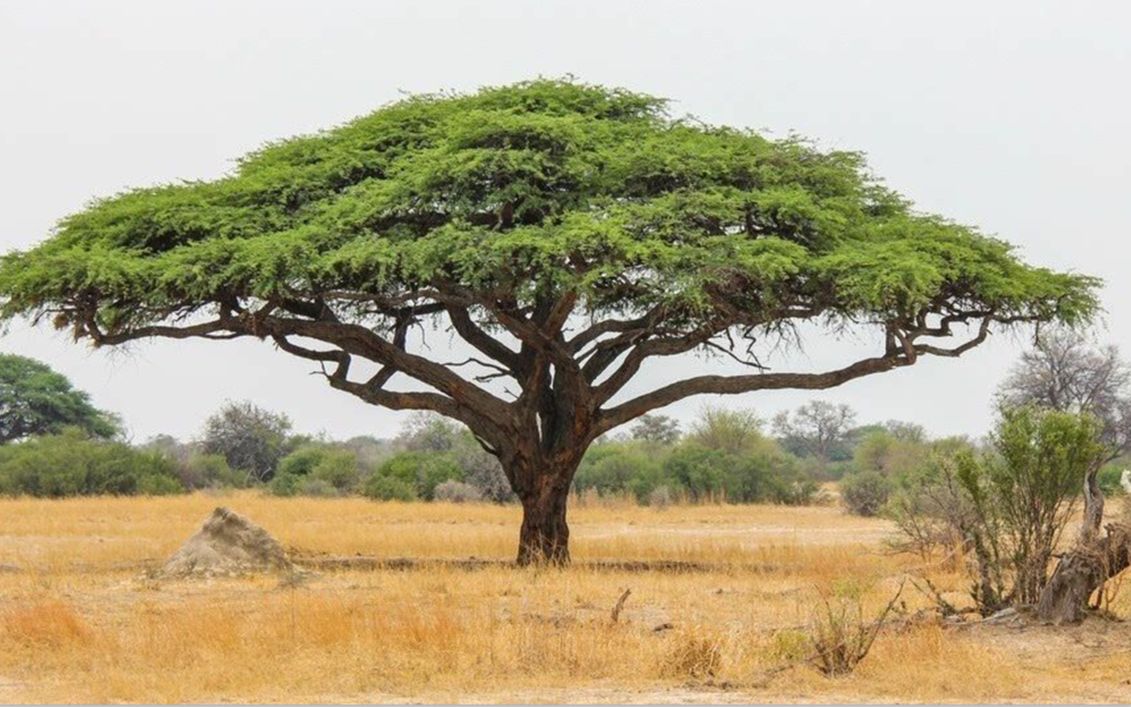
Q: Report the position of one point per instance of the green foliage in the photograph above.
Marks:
(757, 475)
(885, 453)
(1110, 477)
(617, 468)
(733, 431)
(35, 400)
(302, 461)
(285, 484)
(428, 433)
(725, 457)
(388, 488)
(209, 470)
(317, 469)
(338, 469)
(1023, 496)
(865, 492)
(1044, 456)
(1007, 506)
(419, 471)
(72, 464)
(516, 187)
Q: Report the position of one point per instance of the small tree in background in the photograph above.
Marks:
(1018, 499)
(370, 450)
(1064, 371)
(659, 429)
(888, 454)
(428, 432)
(733, 431)
(251, 439)
(35, 400)
(817, 429)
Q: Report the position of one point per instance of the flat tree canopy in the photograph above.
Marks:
(567, 233)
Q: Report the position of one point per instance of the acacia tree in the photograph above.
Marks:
(567, 233)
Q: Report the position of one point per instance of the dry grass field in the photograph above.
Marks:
(82, 620)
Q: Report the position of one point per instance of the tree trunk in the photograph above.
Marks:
(1081, 572)
(1093, 507)
(544, 538)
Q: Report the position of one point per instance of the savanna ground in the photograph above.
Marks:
(82, 620)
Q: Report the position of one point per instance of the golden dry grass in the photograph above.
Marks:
(82, 621)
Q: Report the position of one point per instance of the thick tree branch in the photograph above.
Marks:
(729, 385)
(901, 350)
(473, 334)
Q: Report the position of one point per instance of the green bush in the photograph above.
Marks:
(616, 468)
(317, 470)
(338, 468)
(1023, 496)
(72, 464)
(865, 492)
(421, 471)
(158, 485)
(890, 455)
(210, 470)
(760, 473)
(302, 461)
(1109, 479)
(284, 485)
(793, 490)
(317, 487)
(697, 470)
(388, 488)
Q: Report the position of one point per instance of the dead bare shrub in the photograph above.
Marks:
(660, 497)
(457, 492)
(840, 635)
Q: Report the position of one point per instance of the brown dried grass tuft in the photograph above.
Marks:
(51, 624)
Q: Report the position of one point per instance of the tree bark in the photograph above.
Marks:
(1081, 572)
(1093, 507)
(544, 537)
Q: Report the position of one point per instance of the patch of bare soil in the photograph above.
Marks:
(1072, 648)
(363, 563)
(1029, 639)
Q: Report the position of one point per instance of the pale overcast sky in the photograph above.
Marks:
(1013, 116)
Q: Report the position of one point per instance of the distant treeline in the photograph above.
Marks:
(56, 444)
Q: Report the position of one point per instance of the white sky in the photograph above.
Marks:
(1013, 116)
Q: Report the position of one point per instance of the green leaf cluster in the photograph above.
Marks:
(36, 400)
(516, 189)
